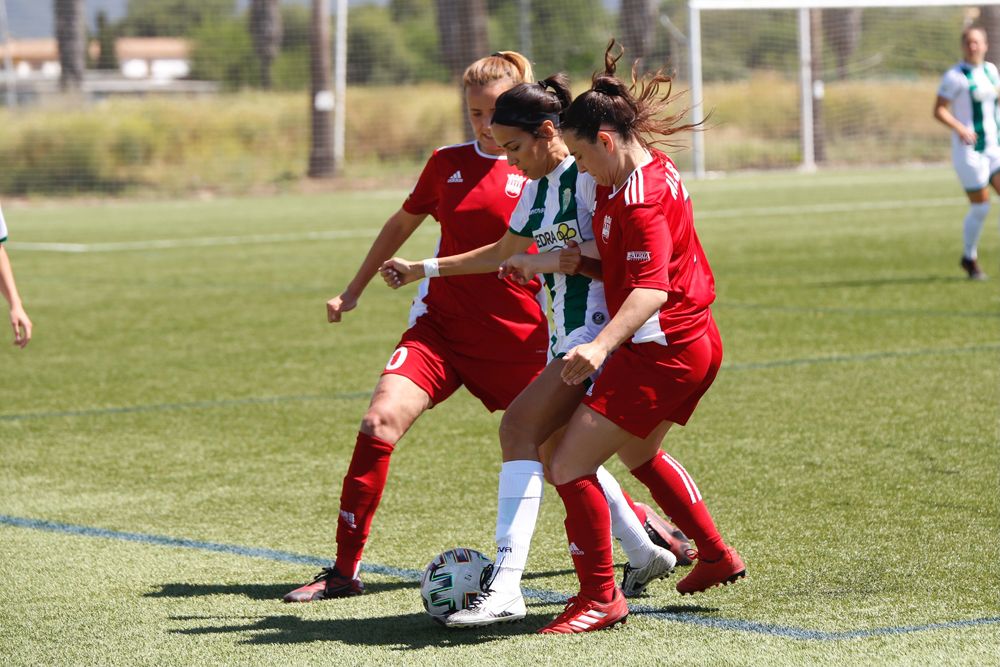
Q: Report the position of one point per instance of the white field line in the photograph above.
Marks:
(202, 242)
(256, 239)
(846, 207)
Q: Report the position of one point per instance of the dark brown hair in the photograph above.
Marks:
(528, 105)
(637, 111)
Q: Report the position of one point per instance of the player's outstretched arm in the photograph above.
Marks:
(396, 230)
(398, 271)
(18, 318)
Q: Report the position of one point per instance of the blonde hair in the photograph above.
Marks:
(497, 67)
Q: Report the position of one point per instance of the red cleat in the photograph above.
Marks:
(585, 615)
(325, 585)
(667, 535)
(707, 574)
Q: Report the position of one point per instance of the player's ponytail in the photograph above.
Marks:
(637, 111)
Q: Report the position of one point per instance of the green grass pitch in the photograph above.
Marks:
(183, 384)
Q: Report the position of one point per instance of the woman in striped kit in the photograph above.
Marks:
(967, 104)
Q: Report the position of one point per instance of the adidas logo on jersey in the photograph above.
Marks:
(575, 550)
(456, 177)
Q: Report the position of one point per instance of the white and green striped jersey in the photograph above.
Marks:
(553, 210)
(3, 228)
(972, 91)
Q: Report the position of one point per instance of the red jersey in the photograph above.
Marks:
(472, 195)
(645, 234)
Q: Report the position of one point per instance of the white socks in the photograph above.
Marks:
(518, 499)
(972, 226)
(625, 526)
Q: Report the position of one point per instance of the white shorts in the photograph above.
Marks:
(560, 345)
(975, 169)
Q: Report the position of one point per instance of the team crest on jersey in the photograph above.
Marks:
(606, 231)
(598, 317)
(567, 197)
(514, 184)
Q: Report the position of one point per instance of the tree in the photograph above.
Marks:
(842, 30)
(265, 30)
(638, 20)
(71, 38)
(108, 57)
(321, 162)
(172, 18)
(462, 35)
(989, 19)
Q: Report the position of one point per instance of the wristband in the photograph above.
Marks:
(431, 268)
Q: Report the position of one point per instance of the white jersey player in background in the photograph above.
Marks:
(18, 318)
(970, 90)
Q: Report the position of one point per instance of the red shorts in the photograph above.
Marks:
(643, 385)
(439, 366)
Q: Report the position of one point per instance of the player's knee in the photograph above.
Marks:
(382, 424)
(517, 439)
(561, 470)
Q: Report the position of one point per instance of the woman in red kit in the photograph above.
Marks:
(661, 346)
(487, 334)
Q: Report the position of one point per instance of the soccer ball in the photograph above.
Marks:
(453, 580)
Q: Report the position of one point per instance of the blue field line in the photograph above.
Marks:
(550, 597)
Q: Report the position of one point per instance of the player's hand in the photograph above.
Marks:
(570, 258)
(339, 305)
(968, 135)
(22, 326)
(397, 272)
(518, 269)
(582, 361)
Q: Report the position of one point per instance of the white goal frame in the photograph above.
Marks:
(696, 7)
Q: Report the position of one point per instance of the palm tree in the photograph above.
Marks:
(462, 37)
(265, 30)
(638, 20)
(71, 37)
(321, 152)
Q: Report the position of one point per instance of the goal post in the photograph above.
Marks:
(810, 88)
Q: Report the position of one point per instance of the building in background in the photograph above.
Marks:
(146, 65)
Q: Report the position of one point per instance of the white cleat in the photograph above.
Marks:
(489, 608)
(635, 579)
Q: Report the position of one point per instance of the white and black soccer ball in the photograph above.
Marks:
(453, 580)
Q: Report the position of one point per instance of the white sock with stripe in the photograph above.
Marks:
(519, 496)
(972, 227)
(625, 526)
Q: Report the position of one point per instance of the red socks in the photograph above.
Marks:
(676, 493)
(588, 528)
(359, 499)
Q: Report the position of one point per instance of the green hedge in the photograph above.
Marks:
(235, 142)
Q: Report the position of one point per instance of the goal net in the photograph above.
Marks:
(175, 96)
(825, 82)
